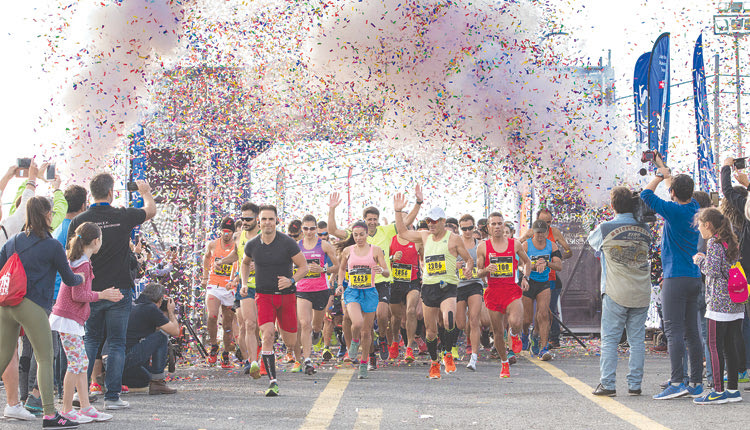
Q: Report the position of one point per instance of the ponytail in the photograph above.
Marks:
(84, 235)
(722, 229)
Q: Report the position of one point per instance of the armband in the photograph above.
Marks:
(556, 254)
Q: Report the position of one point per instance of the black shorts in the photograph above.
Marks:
(535, 288)
(463, 293)
(433, 295)
(384, 291)
(399, 291)
(319, 299)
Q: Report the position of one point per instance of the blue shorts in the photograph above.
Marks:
(367, 298)
(250, 294)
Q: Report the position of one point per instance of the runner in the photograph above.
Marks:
(312, 290)
(440, 279)
(470, 290)
(360, 261)
(405, 293)
(247, 313)
(544, 256)
(380, 236)
(216, 282)
(273, 254)
(497, 258)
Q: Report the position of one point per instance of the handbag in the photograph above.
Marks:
(13, 279)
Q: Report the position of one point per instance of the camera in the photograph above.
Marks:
(642, 212)
(163, 306)
(740, 163)
(132, 186)
(648, 156)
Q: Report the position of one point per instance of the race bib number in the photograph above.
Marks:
(402, 272)
(504, 267)
(224, 269)
(435, 265)
(474, 272)
(313, 275)
(360, 277)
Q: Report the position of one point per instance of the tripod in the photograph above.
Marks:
(567, 330)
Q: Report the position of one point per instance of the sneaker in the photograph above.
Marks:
(383, 347)
(346, 358)
(362, 371)
(115, 404)
(525, 341)
(327, 354)
(505, 370)
(545, 355)
(309, 368)
(297, 368)
(696, 391)
(484, 338)
(342, 352)
(512, 358)
(409, 355)
(317, 341)
(213, 354)
(435, 370)
(95, 389)
(262, 371)
(712, 398)
(255, 370)
(289, 358)
(534, 345)
(516, 343)
(33, 404)
(393, 351)
(124, 389)
(672, 392)
(273, 390)
(421, 346)
(472, 363)
(18, 412)
(77, 399)
(601, 391)
(743, 377)
(73, 415)
(95, 415)
(159, 386)
(59, 422)
(450, 366)
(373, 365)
(634, 391)
(733, 397)
(225, 362)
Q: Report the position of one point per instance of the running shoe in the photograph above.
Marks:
(59, 422)
(95, 388)
(273, 390)
(409, 356)
(346, 358)
(393, 351)
(213, 354)
(545, 355)
(309, 368)
(472, 363)
(34, 404)
(450, 366)
(712, 398)
(373, 365)
(512, 357)
(327, 354)
(743, 377)
(469, 351)
(262, 371)
(95, 415)
(289, 358)
(225, 362)
(255, 370)
(124, 389)
(421, 346)
(435, 370)
(454, 352)
(297, 368)
(383, 346)
(672, 392)
(516, 343)
(696, 391)
(733, 396)
(342, 351)
(73, 415)
(534, 345)
(18, 412)
(317, 341)
(525, 341)
(362, 371)
(505, 370)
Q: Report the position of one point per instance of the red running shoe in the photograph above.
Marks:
(393, 351)
(409, 356)
(516, 344)
(213, 354)
(505, 370)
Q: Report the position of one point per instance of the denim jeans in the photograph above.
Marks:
(615, 318)
(554, 328)
(112, 317)
(679, 298)
(151, 349)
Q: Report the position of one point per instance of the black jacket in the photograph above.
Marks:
(738, 201)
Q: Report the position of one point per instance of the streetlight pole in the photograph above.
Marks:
(737, 83)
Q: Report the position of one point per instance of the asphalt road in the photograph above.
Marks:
(552, 395)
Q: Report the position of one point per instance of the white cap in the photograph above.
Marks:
(436, 214)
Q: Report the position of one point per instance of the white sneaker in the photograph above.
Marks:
(73, 415)
(472, 363)
(95, 415)
(18, 412)
(116, 404)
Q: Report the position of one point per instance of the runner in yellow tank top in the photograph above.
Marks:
(440, 279)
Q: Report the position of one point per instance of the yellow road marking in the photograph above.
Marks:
(607, 403)
(322, 411)
(368, 419)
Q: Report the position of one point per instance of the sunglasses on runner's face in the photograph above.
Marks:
(431, 221)
(467, 228)
(247, 218)
(323, 234)
(309, 228)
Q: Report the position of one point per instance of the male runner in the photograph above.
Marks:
(405, 293)
(497, 258)
(470, 290)
(440, 279)
(216, 282)
(381, 237)
(312, 290)
(247, 310)
(273, 254)
(544, 255)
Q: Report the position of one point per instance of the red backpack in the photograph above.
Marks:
(13, 279)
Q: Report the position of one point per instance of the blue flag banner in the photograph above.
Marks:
(707, 172)
(640, 95)
(658, 96)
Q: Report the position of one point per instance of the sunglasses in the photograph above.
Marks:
(322, 234)
(432, 221)
(467, 228)
(247, 218)
(309, 228)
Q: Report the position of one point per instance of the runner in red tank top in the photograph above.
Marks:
(405, 294)
(496, 260)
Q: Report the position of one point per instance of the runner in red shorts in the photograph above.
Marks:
(273, 254)
(496, 259)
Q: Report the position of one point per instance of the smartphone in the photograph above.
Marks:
(132, 186)
(50, 172)
(740, 163)
(23, 163)
(714, 198)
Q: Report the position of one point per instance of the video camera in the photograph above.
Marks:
(642, 212)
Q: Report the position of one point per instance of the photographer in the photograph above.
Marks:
(682, 278)
(147, 340)
(622, 245)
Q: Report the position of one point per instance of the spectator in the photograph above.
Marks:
(13, 223)
(111, 267)
(622, 245)
(147, 342)
(41, 257)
